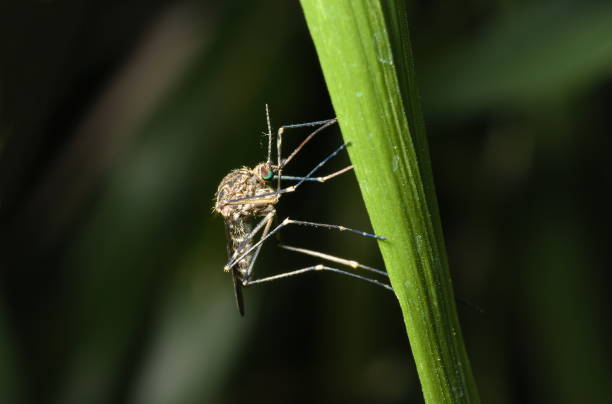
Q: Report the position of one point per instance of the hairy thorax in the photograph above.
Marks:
(244, 183)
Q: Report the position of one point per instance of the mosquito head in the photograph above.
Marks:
(269, 160)
(264, 172)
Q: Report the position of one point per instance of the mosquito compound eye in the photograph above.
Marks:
(266, 173)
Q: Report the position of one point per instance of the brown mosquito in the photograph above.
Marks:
(246, 194)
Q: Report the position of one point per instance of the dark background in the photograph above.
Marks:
(119, 119)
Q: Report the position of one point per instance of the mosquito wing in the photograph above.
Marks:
(235, 276)
(238, 292)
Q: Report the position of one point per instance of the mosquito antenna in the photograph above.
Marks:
(269, 135)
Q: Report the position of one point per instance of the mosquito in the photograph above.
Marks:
(246, 195)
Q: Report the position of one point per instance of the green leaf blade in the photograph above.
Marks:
(364, 50)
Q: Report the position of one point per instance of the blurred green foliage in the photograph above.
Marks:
(118, 120)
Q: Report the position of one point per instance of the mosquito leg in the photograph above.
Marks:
(257, 200)
(316, 179)
(349, 263)
(279, 141)
(324, 124)
(317, 268)
(256, 253)
(278, 234)
(287, 222)
(238, 251)
(318, 166)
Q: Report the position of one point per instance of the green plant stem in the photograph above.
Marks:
(364, 51)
